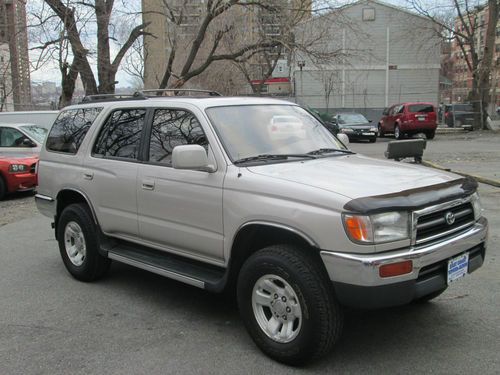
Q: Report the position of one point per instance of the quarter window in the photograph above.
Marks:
(121, 134)
(70, 128)
(173, 127)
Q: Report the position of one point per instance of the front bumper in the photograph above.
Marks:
(21, 182)
(356, 276)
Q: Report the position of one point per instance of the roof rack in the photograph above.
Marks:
(177, 92)
(112, 97)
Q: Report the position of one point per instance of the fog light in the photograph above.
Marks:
(396, 269)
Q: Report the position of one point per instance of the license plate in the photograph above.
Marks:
(457, 267)
(368, 133)
(421, 118)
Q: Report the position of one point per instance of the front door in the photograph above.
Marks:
(179, 211)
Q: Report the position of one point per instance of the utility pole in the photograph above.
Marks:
(301, 65)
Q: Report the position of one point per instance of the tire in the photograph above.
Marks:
(431, 134)
(288, 272)
(430, 296)
(3, 188)
(397, 133)
(77, 234)
(373, 140)
(380, 132)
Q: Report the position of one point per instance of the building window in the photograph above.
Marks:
(368, 14)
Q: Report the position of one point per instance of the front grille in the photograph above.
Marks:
(434, 226)
(33, 168)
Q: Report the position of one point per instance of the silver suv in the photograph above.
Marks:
(257, 194)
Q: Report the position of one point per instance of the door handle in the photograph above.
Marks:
(88, 175)
(148, 185)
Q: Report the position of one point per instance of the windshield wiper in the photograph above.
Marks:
(265, 157)
(322, 151)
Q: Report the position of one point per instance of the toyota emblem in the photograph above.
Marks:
(450, 218)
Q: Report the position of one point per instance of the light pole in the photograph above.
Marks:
(301, 65)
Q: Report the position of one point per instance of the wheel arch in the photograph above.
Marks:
(255, 235)
(68, 196)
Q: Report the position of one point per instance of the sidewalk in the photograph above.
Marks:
(475, 153)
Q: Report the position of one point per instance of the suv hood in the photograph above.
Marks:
(355, 176)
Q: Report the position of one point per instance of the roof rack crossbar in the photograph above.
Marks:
(112, 97)
(176, 92)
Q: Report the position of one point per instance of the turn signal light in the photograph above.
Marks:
(358, 228)
(396, 269)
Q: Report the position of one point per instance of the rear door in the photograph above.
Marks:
(110, 171)
(180, 211)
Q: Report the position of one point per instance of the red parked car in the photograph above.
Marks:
(407, 119)
(17, 173)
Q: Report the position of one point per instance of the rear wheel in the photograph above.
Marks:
(431, 134)
(77, 236)
(287, 304)
(3, 188)
(397, 132)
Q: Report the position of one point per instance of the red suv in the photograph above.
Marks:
(17, 173)
(408, 118)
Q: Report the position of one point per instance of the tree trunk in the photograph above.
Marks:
(68, 81)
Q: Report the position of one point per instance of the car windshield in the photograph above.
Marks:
(36, 132)
(352, 118)
(419, 108)
(248, 131)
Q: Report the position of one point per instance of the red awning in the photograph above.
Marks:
(271, 80)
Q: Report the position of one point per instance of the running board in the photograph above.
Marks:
(201, 275)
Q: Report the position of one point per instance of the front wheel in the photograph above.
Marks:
(77, 236)
(397, 132)
(373, 140)
(3, 188)
(287, 304)
(380, 132)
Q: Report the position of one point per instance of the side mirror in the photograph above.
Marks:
(193, 157)
(343, 138)
(26, 142)
(370, 120)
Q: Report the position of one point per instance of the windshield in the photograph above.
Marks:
(421, 108)
(252, 130)
(36, 132)
(352, 118)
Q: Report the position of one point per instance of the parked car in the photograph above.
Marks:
(458, 114)
(355, 126)
(18, 139)
(44, 119)
(17, 173)
(408, 119)
(202, 191)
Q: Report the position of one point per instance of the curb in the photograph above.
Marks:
(481, 179)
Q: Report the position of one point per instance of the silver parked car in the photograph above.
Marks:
(16, 139)
(254, 193)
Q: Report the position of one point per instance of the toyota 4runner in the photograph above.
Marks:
(257, 194)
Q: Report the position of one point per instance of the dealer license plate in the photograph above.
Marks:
(457, 267)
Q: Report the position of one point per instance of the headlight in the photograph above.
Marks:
(379, 228)
(18, 168)
(374, 130)
(476, 205)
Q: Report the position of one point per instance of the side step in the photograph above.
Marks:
(199, 274)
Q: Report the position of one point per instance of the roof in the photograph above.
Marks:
(202, 103)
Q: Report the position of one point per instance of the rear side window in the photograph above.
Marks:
(69, 129)
(121, 134)
(419, 108)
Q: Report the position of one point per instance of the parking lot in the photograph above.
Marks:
(136, 322)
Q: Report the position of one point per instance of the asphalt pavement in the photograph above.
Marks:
(135, 322)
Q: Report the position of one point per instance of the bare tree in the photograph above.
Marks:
(218, 36)
(331, 81)
(458, 21)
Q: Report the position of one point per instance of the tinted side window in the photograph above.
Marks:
(10, 137)
(416, 108)
(121, 134)
(173, 127)
(401, 109)
(69, 129)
